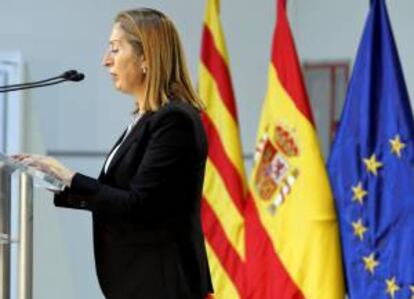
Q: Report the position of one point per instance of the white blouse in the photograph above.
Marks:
(129, 129)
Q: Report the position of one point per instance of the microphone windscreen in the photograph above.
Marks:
(73, 75)
(78, 77)
(69, 74)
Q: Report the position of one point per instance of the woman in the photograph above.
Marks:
(146, 202)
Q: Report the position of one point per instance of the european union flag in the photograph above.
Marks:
(371, 169)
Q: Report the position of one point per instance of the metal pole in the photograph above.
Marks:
(26, 238)
(5, 211)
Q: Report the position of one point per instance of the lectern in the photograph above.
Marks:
(28, 178)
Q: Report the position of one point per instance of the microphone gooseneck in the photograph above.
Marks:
(27, 86)
(71, 75)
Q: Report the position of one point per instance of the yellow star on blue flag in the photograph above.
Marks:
(392, 287)
(397, 145)
(370, 263)
(359, 193)
(372, 164)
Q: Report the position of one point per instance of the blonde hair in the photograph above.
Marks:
(154, 35)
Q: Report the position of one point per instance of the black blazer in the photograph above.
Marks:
(146, 209)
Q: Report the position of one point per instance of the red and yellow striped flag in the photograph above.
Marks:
(225, 184)
(292, 239)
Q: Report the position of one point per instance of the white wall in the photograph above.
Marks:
(54, 36)
(331, 30)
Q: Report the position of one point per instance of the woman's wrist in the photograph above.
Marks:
(68, 178)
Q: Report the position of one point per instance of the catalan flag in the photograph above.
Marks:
(372, 169)
(225, 183)
(292, 240)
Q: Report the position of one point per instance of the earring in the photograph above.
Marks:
(144, 70)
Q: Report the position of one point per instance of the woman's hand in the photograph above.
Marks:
(48, 165)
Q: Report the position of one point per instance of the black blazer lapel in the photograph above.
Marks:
(134, 135)
(102, 173)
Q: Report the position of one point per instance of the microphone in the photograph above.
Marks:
(78, 77)
(71, 75)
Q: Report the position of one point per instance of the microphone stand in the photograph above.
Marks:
(29, 86)
(71, 75)
(31, 83)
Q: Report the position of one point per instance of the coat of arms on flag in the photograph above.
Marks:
(275, 174)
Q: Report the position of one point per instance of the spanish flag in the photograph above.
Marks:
(292, 240)
(224, 184)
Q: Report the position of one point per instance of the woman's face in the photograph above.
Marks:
(125, 67)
